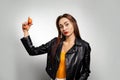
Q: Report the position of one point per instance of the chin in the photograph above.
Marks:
(67, 35)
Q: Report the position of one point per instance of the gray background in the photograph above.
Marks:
(99, 24)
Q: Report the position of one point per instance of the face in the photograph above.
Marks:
(66, 27)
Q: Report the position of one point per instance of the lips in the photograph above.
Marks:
(65, 32)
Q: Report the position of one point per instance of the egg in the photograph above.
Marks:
(29, 20)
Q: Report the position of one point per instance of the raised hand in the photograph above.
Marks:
(26, 26)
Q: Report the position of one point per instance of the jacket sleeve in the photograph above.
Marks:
(86, 64)
(32, 50)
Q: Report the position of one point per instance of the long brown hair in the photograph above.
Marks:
(60, 35)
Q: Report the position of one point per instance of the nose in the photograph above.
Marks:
(64, 28)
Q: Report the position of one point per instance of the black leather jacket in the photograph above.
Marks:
(77, 58)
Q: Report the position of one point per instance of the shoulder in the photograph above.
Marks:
(87, 45)
(81, 42)
(84, 43)
(54, 40)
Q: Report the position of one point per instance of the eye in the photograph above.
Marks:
(66, 24)
(60, 26)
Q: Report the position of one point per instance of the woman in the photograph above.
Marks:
(68, 56)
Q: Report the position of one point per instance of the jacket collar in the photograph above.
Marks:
(77, 41)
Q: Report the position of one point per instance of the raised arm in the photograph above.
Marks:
(32, 50)
(27, 42)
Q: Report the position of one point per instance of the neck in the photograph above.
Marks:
(70, 39)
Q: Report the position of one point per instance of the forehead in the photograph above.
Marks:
(63, 20)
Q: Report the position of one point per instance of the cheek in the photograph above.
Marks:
(71, 29)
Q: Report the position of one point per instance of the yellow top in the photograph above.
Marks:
(61, 73)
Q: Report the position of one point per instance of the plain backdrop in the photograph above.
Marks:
(99, 24)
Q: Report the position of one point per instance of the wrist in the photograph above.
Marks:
(26, 33)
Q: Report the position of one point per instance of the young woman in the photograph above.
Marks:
(68, 56)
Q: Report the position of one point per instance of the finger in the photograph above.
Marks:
(24, 24)
(30, 24)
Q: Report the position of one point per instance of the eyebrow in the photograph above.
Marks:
(64, 23)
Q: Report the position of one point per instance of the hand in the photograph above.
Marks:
(26, 25)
